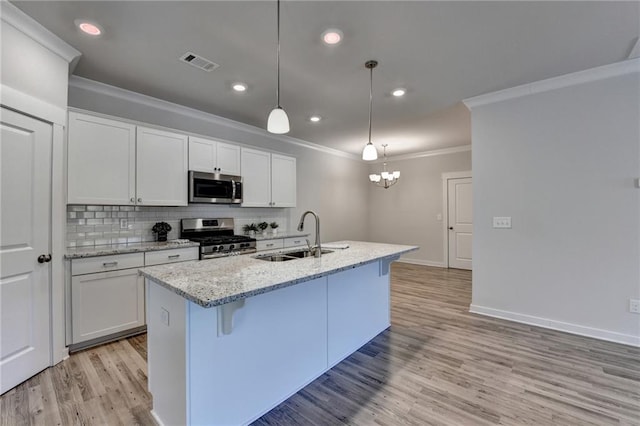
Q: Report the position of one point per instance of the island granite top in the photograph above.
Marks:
(107, 250)
(218, 281)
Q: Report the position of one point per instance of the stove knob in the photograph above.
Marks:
(220, 248)
(231, 247)
(214, 248)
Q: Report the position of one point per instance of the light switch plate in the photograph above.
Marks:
(164, 316)
(502, 222)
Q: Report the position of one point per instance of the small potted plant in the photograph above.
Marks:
(263, 227)
(274, 227)
(161, 229)
(250, 229)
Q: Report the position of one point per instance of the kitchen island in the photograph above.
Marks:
(231, 338)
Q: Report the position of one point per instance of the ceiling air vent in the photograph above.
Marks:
(199, 61)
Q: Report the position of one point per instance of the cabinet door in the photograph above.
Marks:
(161, 159)
(101, 161)
(228, 157)
(106, 303)
(202, 155)
(256, 170)
(283, 181)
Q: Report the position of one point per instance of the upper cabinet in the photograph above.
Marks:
(112, 162)
(161, 164)
(269, 180)
(211, 156)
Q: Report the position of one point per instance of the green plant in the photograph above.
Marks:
(273, 225)
(263, 225)
(250, 227)
(161, 228)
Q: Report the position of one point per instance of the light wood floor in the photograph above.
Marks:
(437, 364)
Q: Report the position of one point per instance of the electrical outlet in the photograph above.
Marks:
(502, 222)
(634, 306)
(164, 316)
(124, 223)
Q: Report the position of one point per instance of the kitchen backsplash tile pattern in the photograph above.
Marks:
(89, 225)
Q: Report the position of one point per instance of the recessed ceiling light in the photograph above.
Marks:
(88, 27)
(239, 87)
(332, 36)
(315, 118)
(399, 92)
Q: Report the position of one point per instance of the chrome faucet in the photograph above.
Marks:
(318, 251)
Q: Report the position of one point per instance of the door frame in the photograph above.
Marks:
(44, 111)
(446, 177)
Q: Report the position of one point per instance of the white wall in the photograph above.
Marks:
(562, 164)
(406, 213)
(328, 184)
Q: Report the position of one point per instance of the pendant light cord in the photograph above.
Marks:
(278, 58)
(370, 99)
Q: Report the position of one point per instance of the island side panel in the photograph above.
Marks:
(358, 309)
(278, 345)
(166, 354)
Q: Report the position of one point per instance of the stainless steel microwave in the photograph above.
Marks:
(214, 188)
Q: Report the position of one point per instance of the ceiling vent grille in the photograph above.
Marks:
(198, 61)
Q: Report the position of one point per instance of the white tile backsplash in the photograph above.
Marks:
(100, 225)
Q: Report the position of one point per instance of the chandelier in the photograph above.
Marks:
(385, 179)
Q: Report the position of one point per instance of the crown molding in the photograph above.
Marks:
(431, 153)
(599, 73)
(29, 26)
(149, 101)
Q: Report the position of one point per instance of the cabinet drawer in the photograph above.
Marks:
(294, 242)
(169, 256)
(269, 244)
(106, 263)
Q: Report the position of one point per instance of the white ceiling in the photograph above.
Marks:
(442, 52)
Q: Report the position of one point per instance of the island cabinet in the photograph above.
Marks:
(269, 179)
(112, 162)
(210, 156)
(277, 343)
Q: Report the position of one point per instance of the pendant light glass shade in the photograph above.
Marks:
(370, 152)
(278, 121)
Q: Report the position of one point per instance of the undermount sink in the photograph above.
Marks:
(283, 257)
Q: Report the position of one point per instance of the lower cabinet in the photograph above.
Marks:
(279, 243)
(106, 303)
(107, 296)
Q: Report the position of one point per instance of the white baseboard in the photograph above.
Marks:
(596, 333)
(422, 262)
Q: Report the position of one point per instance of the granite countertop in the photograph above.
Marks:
(289, 234)
(215, 282)
(80, 252)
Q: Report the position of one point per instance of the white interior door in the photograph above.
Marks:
(460, 222)
(25, 196)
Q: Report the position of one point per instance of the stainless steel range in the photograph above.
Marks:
(216, 237)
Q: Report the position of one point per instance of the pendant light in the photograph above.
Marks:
(278, 121)
(370, 153)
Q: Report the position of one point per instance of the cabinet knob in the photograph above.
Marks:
(451, 228)
(44, 258)
(139, 200)
(133, 200)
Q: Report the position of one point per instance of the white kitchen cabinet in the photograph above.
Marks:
(161, 165)
(269, 244)
(283, 181)
(206, 155)
(101, 160)
(269, 180)
(294, 242)
(106, 303)
(107, 294)
(116, 163)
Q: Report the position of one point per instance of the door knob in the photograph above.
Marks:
(451, 228)
(44, 258)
